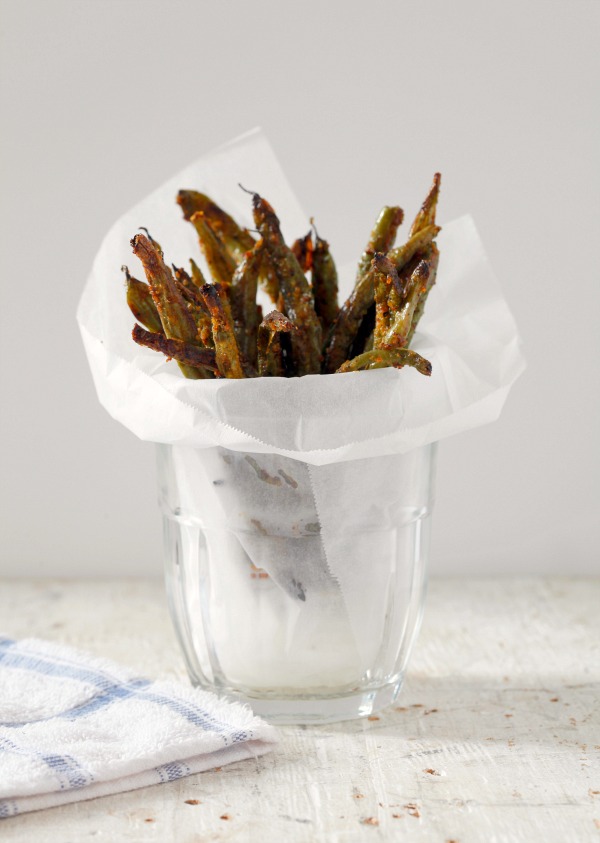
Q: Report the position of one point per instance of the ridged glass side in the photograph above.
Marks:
(284, 594)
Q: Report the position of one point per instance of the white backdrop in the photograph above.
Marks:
(102, 100)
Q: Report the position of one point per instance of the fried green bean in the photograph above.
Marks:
(372, 329)
(324, 280)
(401, 320)
(382, 359)
(382, 237)
(426, 214)
(195, 305)
(302, 249)
(242, 295)
(186, 354)
(186, 287)
(203, 319)
(294, 289)
(348, 321)
(433, 261)
(196, 274)
(271, 357)
(385, 280)
(141, 303)
(220, 262)
(236, 240)
(268, 278)
(227, 352)
(417, 243)
(358, 304)
(174, 316)
(154, 242)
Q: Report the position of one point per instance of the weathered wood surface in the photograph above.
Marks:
(496, 737)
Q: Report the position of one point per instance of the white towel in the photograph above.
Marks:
(74, 727)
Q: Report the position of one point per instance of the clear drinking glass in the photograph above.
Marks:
(296, 588)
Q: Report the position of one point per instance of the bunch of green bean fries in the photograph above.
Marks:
(216, 329)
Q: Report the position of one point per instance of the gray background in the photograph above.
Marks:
(101, 101)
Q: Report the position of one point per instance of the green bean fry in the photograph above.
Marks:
(216, 329)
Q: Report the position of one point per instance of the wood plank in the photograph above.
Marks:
(496, 736)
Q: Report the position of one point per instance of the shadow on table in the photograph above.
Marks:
(465, 709)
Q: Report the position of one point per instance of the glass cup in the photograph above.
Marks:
(296, 588)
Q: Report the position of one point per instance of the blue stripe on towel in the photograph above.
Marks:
(138, 688)
(172, 771)
(45, 665)
(107, 697)
(198, 716)
(116, 692)
(8, 808)
(192, 713)
(69, 772)
(110, 689)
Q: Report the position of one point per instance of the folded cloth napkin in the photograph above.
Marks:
(74, 727)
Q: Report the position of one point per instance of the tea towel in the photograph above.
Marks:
(74, 727)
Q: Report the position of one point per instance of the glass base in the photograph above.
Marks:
(312, 710)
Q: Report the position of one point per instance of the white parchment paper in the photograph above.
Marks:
(467, 333)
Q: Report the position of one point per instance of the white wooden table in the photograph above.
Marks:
(496, 737)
